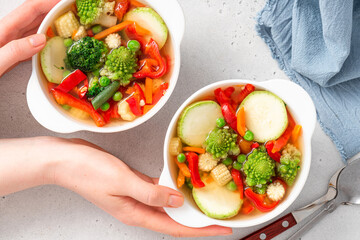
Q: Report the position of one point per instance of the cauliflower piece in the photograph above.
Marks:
(113, 40)
(81, 33)
(275, 191)
(207, 162)
(125, 111)
(109, 8)
(289, 164)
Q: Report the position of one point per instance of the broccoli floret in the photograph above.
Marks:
(89, 10)
(120, 64)
(94, 87)
(221, 142)
(259, 168)
(87, 54)
(289, 164)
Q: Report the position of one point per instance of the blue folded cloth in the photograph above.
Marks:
(317, 44)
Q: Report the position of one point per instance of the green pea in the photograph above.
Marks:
(249, 136)
(66, 73)
(96, 73)
(66, 107)
(231, 186)
(133, 45)
(96, 29)
(220, 122)
(237, 165)
(117, 96)
(227, 161)
(105, 107)
(181, 158)
(241, 158)
(68, 42)
(104, 81)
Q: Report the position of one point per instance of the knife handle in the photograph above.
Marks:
(273, 229)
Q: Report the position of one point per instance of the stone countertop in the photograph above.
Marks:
(219, 43)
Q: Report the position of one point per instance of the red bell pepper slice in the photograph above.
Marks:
(274, 155)
(249, 88)
(134, 35)
(149, 70)
(83, 89)
(255, 145)
(193, 160)
(229, 115)
(159, 93)
(229, 91)
(121, 7)
(221, 97)
(247, 207)
(63, 98)
(259, 201)
(284, 138)
(71, 81)
(134, 105)
(139, 92)
(236, 175)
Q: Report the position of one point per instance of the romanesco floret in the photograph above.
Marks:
(221, 142)
(289, 164)
(87, 54)
(120, 64)
(259, 168)
(89, 10)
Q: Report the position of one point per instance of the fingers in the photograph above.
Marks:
(152, 195)
(19, 50)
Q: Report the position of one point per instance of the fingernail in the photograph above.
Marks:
(37, 40)
(226, 232)
(175, 201)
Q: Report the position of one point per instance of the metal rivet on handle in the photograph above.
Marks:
(285, 224)
(263, 236)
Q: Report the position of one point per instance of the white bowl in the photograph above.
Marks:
(50, 115)
(301, 107)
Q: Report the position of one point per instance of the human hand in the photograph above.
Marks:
(129, 196)
(18, 40)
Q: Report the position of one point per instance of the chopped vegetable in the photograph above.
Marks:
(137, 3)
(147, 108)
(193, 160)
(181, 158)
(194, 149)
(180, 179)
(109, 8)
(241, 158)
(258, 201)
(207, 162)
(72, 81)
(68, 42)
(237, 165)
(148, 90)
(241, 126)
(133, 45)
(50, 33)
(275, 191)
(284, 138)
(117, 96)
(245, 146)
(247, 207)
(94, 88)
(249, 136)
(274, 155)
(221, 174)
(105, 95)
(227, 161)
(220, 122)
(221, 142)
(113, 40)
(249, 88)
(229, 115)
(105, 107)
(80, 114)
(159, 93)
(231, 186)
(183, 168)
(175, 146)
(66, 24)
(121, 8)
(125, 112)
(289, 164)
(295, 133)
(113, 29)
(89, 10)
(104, 81)
(236, 175)
(96, 29)
(66, 107)
(106, 20)
(80, 33)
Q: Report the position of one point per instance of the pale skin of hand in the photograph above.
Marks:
(96, 175)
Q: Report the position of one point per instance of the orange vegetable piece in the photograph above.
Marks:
(247, 207)
(209, 180)
(194, 149)
(113, 29)
(284, 138)
(241, 128)
(147, 108)
(183, 168)
(136, 3)
(148, 90)
(50, 33)
(180, 179)
(140, 30)
(296, 133)
(73, 34)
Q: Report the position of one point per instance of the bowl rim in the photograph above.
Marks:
(167, 180)
(36, 92)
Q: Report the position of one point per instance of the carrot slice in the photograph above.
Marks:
(50, 33)
(241, 128)
(295, 133)
(73, 34)
(147, 108)
(140, 30)
(180, 179)
(183, 168)
(284, 138)
(148, 90)
(113, 29)
(194, 149)
(136, 3)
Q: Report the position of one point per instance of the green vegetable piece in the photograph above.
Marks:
(221, 142)
(104, 81)
(105, 107)
(87, 54)
(188, 183)
(289, 164)
(133, 45)
(241, 158)
(220, 122)
(66, 107)
(227, 161)
(259, 167)
(117, 96)
(89, 10)
(68, 42)
(107, 93)
(94, 87)
(249, 136)
(231, 186)
(181, 158)
(260, 189)
(66, 73)
(96, 29)
(96, 73)
(237, 165)
(120, 64)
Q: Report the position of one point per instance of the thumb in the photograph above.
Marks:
(20, 50)
(154, 195)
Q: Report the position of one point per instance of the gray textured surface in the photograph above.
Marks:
(219, 43)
